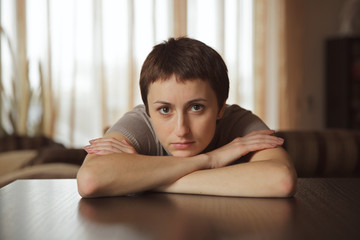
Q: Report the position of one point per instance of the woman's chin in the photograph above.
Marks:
(184, 153)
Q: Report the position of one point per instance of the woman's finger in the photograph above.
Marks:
(268, 139)
(106, 141)
(261, 132)
(259, 138)
(248, 144)
(103, 146)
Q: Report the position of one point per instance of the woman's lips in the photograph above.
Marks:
(182, 145)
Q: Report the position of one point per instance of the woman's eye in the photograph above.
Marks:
(164, 110)
(197, 107)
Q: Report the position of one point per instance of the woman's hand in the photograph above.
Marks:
(104, 146)
(254, 141)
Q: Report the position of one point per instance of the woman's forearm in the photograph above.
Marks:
(241, 180)
(269, 173)
(120, 174)
(259, 178)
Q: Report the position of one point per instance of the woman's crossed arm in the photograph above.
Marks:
(113, 168)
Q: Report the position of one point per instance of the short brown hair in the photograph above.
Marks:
(187, 59)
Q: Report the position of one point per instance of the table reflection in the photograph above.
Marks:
(180, 216)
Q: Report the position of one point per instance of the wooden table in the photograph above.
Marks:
(52, 209)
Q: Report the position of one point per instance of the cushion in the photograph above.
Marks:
(14, 160)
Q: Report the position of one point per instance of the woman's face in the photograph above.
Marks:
(183, 114)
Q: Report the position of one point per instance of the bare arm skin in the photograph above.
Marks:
(124, 173)
(269, 173)
(116, 169)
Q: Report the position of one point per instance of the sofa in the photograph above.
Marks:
(324, 153)
(39, 157)
(315, 153)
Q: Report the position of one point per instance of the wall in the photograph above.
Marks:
(321, 21)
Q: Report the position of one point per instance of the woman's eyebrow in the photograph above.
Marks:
(197, 100)
(161, 102)
(189, 102)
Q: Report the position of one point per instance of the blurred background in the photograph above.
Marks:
(69, 69)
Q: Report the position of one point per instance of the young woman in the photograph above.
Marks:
(185, 138)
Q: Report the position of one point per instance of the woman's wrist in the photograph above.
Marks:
(200, 161)
(206, 159)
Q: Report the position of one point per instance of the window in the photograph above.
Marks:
(84, 57)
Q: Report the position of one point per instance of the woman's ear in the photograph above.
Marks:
(221, 112)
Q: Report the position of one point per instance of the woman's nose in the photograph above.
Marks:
(182, 127)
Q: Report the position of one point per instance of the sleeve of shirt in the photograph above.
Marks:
(137, 128)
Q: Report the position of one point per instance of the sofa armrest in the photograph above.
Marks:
(43, 171)
(324, 153)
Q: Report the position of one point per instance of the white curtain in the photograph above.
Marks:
(227, 26)
(83, 58)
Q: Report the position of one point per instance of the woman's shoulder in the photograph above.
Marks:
(135, 116)
(235, 110)
(240, 121)
(138, 110)
(136, 126)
